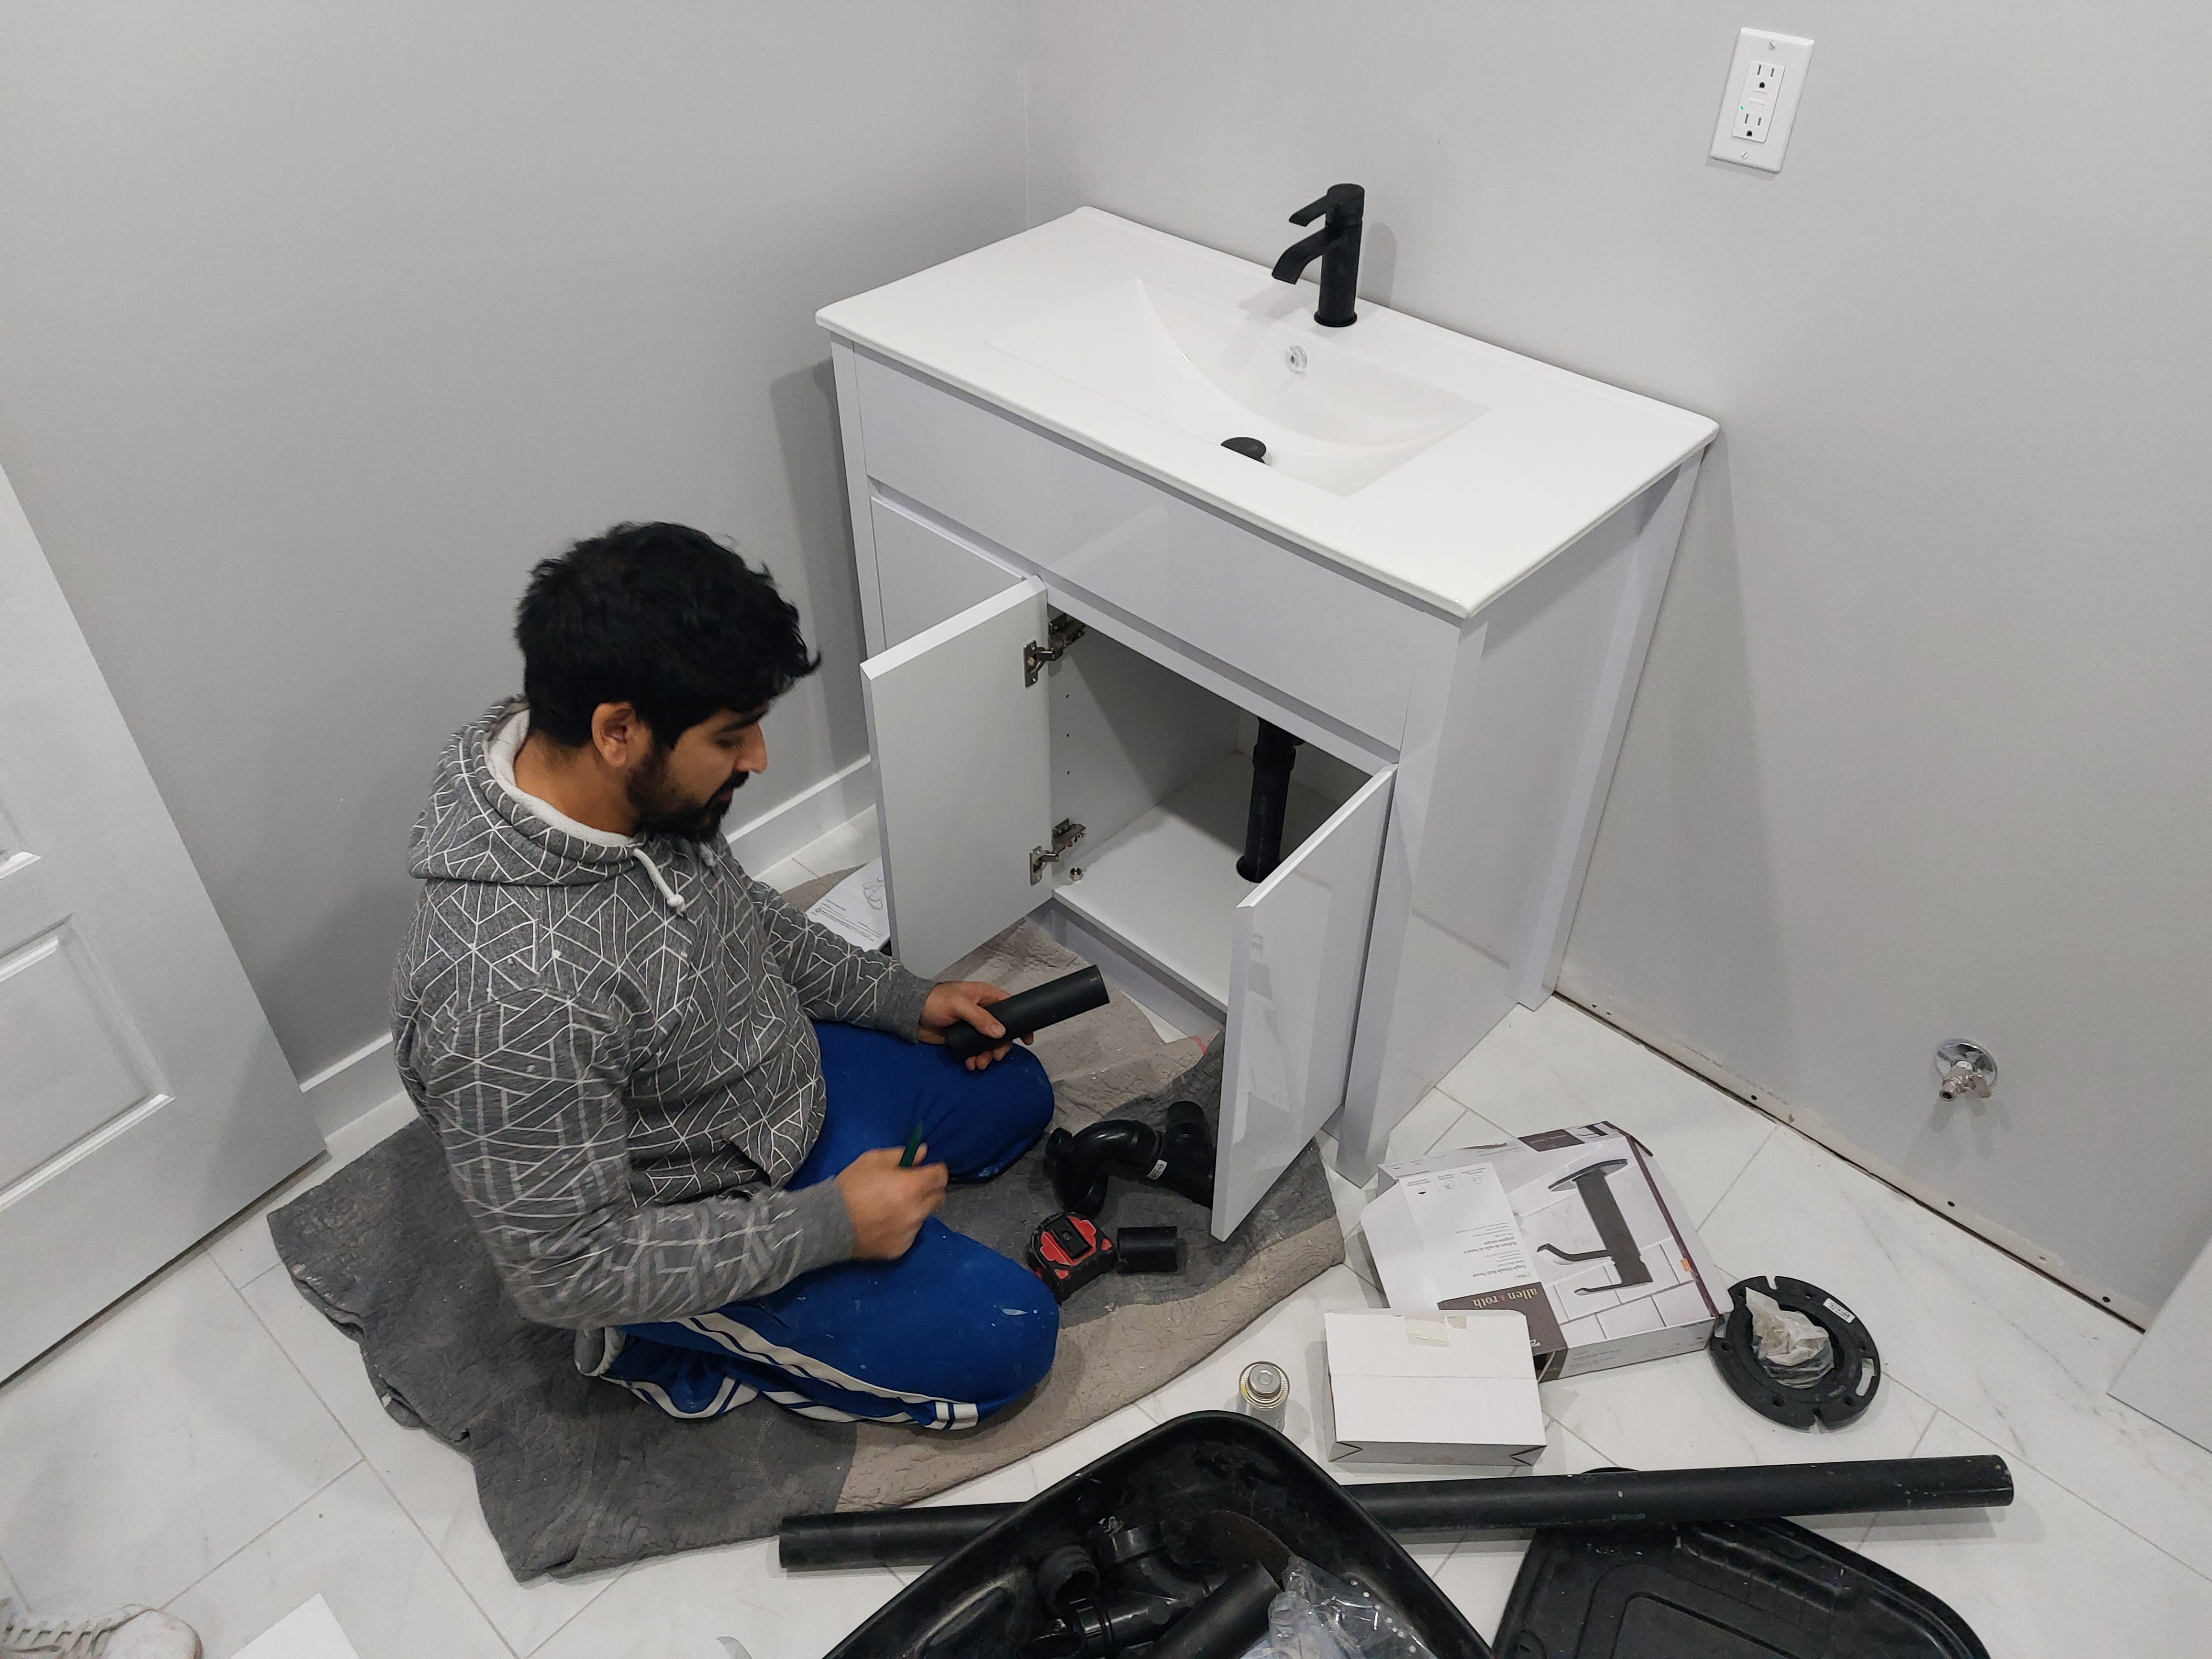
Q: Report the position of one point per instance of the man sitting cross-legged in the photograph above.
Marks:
(675, 1108)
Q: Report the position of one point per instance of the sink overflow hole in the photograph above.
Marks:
(1251, 448)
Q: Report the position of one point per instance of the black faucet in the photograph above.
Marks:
(1337, 244)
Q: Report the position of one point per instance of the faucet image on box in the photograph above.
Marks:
(1614, 1238)
(1336, 244)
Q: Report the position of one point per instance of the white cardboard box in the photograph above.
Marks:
(1431, 1387)
(1577, 1228)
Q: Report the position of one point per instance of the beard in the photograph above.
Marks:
(663, 809)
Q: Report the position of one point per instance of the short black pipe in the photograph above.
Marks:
(903, 1538)
(1147, 1250)
(915, 1537)
(1273, 757)
(1029, 1012)
(1226, 1623)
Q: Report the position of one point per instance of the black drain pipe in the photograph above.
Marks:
(918, 1537)
(1273, 757)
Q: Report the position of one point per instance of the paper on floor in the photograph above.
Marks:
(853, 909)
(310, 1631)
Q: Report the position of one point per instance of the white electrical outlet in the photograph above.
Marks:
(1766, 80)
(1762, 85)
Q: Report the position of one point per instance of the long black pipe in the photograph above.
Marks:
(916, 1537)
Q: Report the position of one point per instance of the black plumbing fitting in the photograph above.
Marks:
(1179, 1158)
(1149, 1593)
(1227, 1623)
(1066, 1577)
(1274, 752)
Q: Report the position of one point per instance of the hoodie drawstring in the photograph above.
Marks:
(675, 900)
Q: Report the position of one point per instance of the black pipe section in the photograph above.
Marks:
(917, 1537)
(1148, 1250)
(1226, 1623)
(911, 1537)
(1615, 1497)
(1273, 757)
(1027, 1013)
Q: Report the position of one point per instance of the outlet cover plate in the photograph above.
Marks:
(1762, 55)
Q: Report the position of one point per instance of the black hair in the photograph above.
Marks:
(659, 616)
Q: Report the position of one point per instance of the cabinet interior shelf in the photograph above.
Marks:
(1167, 885)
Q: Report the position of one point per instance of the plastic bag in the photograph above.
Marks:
(1792, 1349)
(1319, 1616)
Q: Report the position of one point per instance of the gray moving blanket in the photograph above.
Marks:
(576, 1476)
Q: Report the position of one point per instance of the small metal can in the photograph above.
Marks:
(1264, 1391)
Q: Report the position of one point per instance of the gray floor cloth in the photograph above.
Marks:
(576, 1476)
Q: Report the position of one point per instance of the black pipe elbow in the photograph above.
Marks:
(1179, 1158)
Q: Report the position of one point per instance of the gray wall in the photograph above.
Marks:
(320, 323)
(1922, 746)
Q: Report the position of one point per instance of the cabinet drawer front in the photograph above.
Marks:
(923, 576)
(1314, 633)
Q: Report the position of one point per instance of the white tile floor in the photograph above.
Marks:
(212, 1445)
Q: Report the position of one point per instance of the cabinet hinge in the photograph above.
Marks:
(1065, 834)
(1062, 632)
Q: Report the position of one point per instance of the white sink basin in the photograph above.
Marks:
(1441, 466)
(1327, 415)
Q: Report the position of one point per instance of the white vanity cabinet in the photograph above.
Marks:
(1074, 625)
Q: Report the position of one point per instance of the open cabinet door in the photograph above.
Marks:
(1301, 950)
(962, 734)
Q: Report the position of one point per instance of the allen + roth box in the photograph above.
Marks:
(1577, 1228)
(1431, 1387)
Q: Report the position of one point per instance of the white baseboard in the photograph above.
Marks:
(1626, 1016)
(352, 1087)
(781, 830)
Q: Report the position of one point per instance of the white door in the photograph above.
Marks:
(961, 730)
(144, 1100)
(1301, 950)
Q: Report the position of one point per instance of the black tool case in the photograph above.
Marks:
(1738, 1589)
(981, 1600)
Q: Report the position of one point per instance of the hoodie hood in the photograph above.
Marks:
(475, 828)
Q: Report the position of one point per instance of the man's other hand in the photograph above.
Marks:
(888, 1205)
(958, 1001)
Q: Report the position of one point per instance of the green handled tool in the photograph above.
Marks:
(913, 1146)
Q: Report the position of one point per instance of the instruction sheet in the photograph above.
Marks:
(854, 909)
(1448, 1237)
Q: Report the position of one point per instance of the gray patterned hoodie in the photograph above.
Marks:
(610, 1038)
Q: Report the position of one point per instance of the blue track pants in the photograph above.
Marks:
(941, 1337)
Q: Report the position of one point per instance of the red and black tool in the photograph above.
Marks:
(1067, 1252)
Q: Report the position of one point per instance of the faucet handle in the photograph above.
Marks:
(1343, 203)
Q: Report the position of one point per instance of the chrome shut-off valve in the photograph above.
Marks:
(1965, 1068)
